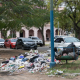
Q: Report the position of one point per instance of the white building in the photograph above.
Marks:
(24, 32)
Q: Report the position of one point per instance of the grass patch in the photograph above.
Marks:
(47, 44)
(70, 67)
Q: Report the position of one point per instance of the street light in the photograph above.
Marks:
(52, 63)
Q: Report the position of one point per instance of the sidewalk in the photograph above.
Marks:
(47, 42)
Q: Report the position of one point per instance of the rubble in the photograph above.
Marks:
(31, 61)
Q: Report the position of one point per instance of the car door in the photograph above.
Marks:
(59, 42)
(9, 43)
(19, 43)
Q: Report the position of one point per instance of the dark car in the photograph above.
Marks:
(37, 40)
(25, 43)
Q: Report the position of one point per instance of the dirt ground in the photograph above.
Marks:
(6, 54)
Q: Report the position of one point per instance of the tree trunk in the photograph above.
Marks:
(77, 28)
(4, 34)
(41, 30)
(78, 34)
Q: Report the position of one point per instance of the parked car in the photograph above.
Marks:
(10, 43)
(2, 42)
(37, 40)
(55, 37)
(25, 43)
(64, 41)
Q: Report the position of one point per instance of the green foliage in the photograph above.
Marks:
(41, 13)
(69, 16)
(14, 14)
(40, 16)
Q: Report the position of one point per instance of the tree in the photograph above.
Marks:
(73, 11)
(30, 13)
(68, 17)
(14, 13)
(36, 14)
(41, 16)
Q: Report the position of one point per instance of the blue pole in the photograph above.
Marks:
(52, 63)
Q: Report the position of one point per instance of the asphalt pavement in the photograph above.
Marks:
(40, 49)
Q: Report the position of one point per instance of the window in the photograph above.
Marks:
(1, 40)
(20, 40)
(58, 40)
(6, 40)
(35, 38)
(71, 39)
(29, 37)
(13, 40)
(26, 40)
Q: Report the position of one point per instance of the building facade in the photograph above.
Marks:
(24, 32)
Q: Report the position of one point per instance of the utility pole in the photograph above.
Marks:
(52, 63)
(58, 27)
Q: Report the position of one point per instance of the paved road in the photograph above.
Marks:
(40, 49)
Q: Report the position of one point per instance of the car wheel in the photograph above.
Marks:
(22, 47)
(4, 46)
(35, 48)
(41, 45)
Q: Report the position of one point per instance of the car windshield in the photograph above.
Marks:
(1, 40)
(35, 38)
(13, 40)
(71, 39)
(27, 40)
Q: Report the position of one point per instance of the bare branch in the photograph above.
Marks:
(78, 21)
(70, 16)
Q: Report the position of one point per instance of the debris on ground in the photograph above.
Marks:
(31, 61)
(59, 72)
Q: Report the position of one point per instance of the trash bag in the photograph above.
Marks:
(55, 49)
(70, 48)
(65, 52)
(5, 62)
(25, 59)
(59, 50)
(32, 59)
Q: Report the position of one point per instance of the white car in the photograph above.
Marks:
(2, 42)
(37, 40)
(64, 41)
(55, 37)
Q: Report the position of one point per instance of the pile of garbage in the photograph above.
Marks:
(31, 61)
(71, 51)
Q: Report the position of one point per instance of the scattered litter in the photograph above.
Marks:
(31, 61)
(51, 75)
(1, 59)
(59, 72)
